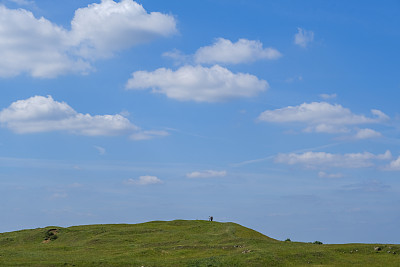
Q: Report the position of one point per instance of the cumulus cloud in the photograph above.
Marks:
(394, 165)
(367, 133)
(34, 46)
(316, 160)
(224, 51)
(197, 83)
(144, 180)
(206, 174)
(321, 117)
(101, 29)
(44, 114)
(40, 48)
(303, 37)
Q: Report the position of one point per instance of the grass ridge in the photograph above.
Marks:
(178, 243)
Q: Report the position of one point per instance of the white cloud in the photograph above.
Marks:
(321, 117)
(224, 51)
(44, 114)
(40, 48)
(178, 56)
(34, 46)
(303, 37)
(206, 174)
(294, 79)
(197, 83)
(317, 160)
(147, 135)
(328, 96)
(101, 29)
(144, 180)
(101, 150)
(367, 133)
(329, 175)
(394, 165)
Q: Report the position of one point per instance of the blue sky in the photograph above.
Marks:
(278, 115)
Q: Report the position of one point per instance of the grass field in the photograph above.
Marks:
(178, 243)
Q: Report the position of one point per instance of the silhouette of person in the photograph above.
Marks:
(211, 218)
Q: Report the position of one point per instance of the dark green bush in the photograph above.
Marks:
(51, 234)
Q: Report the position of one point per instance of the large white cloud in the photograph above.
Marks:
(34, 46)
(44, 114)
(320, 160)
(197, 83)
(224, 51)
(321, 117)
(40, 48)
(101, 29)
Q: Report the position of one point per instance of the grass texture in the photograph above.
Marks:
(178, 243)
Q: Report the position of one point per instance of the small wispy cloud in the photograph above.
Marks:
(59, 195)
(303, 37)
(23, 2)
(328, 96)
(206, 174)
(373, 186)
(147, 135)
(101, 150)
(296, 78)
(318, 160)
(330, 175)
(178, 56)
(144, 180)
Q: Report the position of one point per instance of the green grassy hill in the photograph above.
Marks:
(178, 243)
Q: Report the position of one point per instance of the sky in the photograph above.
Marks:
(281, 116)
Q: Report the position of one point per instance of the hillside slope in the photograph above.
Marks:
(177, 243)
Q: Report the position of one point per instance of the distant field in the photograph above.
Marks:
(178, 243)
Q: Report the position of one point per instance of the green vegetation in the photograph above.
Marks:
(178, 243)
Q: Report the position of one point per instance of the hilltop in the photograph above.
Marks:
(178, 243)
